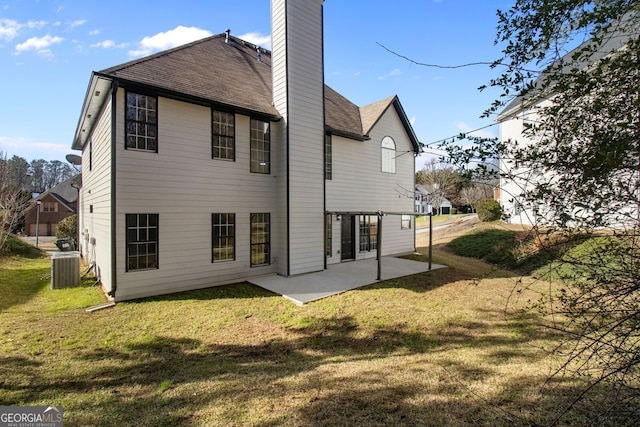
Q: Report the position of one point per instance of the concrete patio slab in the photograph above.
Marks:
(339, 278)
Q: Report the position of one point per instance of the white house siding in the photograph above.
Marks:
(185, 186)
(303, 110)
(278, 135)
(358, 184)
(95, 227)
(511, 189)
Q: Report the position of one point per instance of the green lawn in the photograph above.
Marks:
(430, 349)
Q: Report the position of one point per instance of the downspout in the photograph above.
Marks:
(379, 245)
(286, 40)
(324, 151)
(114, 240)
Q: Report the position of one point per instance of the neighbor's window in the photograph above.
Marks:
(405, 222)
(142, 241)
(368, 233)
(141, 122)
(328, 167)
(388, 148)
(223, 142)
(260, 157)
(260, 239)
(223, 229)
(49, 207)
(328, 235)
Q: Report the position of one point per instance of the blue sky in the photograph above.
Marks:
(48, 49)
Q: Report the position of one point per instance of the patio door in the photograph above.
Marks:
(348, 248)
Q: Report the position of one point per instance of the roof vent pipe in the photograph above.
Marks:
(228, 33)
(259, 53)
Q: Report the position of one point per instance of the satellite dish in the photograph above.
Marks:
(74, 159)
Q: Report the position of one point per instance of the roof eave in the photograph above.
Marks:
(407, 124)
(97, 92)
(345, 134)
(179, 96)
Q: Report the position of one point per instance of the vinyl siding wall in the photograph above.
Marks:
(510, 189)
(299, 97)
(185, 186)
(279, 133)
(95, 227)
(359, 185)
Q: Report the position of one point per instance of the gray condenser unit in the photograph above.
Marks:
(65, 270)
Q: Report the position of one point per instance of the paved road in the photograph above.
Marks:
(448, 224)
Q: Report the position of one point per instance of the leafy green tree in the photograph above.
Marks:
(573, 67)
(14, 200)
(17, 172)
(37, 176)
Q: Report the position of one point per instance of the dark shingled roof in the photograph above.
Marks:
(229, 74)
(66, 192)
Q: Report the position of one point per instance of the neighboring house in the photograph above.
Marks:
(430, 195)
(512, 120)
(218, 161)
(56, 204)
(421, 199)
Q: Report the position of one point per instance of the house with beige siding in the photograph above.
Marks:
(218, 161)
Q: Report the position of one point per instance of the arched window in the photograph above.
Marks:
(388, 155)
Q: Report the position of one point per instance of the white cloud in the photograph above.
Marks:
(95, 32)
(465, 128)
(77, 23)
(172, 38)
(356, 74)
(35, 24)
(412, 120)
(40, 45)
(30, 150)
(258, 39)
(394, 72)
(8, 29)
(109, 44)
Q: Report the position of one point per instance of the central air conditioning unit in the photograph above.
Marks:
(65, 270)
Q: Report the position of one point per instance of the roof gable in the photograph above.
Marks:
(66, 193)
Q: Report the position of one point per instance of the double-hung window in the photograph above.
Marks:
(223, 138)
(223, 229)
(368, 233)
(141, 122)
(142, 241)
(260, 239)
(260, 156)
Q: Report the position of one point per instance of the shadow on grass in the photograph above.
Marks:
(244, 290)
(159, 380)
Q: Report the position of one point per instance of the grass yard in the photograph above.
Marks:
(429, 349)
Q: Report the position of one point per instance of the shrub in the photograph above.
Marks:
(68, 227)
(489, 210)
